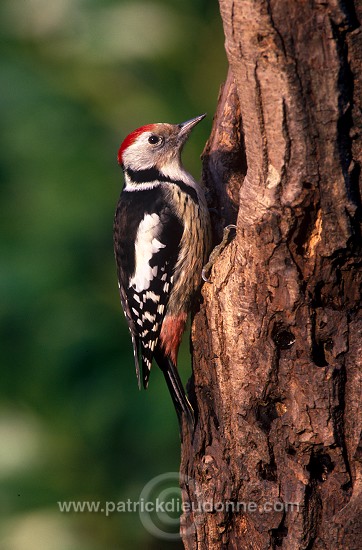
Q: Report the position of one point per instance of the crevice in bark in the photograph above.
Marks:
(268, 408)
(320, 464)
(345, 107)
(317, 345)
(280, 41)
(306, 227)
(312, 515)
(224, 160)
(268, 471)
(209, 401)
(349, 11)
(265, 413)
(278, 534)
(288, 145)
(339, 387)
(260, 114)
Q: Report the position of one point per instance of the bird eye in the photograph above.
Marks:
(153, 139)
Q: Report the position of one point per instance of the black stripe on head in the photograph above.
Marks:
(152, 174)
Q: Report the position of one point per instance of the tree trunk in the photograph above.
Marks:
(275, 460)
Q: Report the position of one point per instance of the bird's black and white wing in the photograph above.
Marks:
(146, 255)
(123, 256)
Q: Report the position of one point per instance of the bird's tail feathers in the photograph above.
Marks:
(176, 389)
(135, 344)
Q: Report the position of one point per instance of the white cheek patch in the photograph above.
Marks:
(146, 246)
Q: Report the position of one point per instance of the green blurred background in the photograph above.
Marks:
(76, 76)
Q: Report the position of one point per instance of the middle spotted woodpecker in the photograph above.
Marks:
(161, 242)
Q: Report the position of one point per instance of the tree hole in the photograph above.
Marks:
(320, 466)
(282, 337)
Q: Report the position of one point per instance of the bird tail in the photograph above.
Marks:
(176, 389)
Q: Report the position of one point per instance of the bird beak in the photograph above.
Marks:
(186, 127)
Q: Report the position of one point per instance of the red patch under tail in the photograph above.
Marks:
(171, 334)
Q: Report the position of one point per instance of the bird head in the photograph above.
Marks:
(155, 145)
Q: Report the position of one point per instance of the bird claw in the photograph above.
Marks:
(215, 253)
(203, 273)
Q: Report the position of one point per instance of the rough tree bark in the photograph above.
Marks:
(277, 340)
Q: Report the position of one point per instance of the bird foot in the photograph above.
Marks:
(215, 253)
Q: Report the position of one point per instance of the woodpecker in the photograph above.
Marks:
(162, 238)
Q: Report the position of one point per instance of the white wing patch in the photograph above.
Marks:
(146, 246)
(151, 296)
